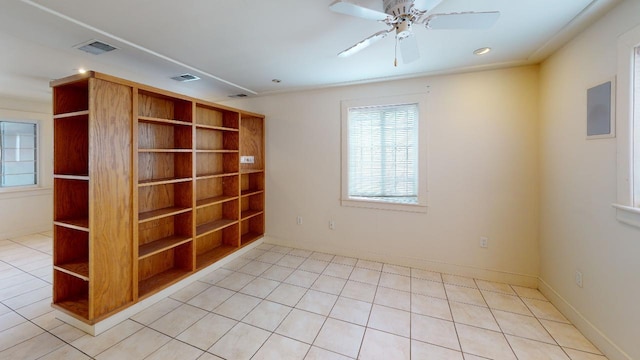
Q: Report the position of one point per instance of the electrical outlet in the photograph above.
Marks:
(578, 277)
(484, 242)
(332, 225)
(299, 220)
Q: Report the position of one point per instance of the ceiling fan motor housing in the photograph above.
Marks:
(403, 28)
(397, 7)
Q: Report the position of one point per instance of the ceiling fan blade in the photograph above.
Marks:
(464, 20)
(365, 43)
(426, 5)
(349, 8)
(409, 49)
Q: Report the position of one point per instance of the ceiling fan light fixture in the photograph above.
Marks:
(399, 15)
(403, 28)
(482, 51)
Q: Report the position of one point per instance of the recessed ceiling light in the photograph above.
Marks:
(482, 51)
(82, 70)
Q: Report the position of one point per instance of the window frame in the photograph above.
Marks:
(421, 101)
(627, 208)
(38, 158)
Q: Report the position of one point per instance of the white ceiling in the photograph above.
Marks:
(239, 46)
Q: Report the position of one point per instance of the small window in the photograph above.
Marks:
(381, 153)
(18, 154)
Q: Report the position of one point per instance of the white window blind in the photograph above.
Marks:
(383, 153)
(18, 152)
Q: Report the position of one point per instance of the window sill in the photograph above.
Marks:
(628, 215)
(383, 205)
(21, 192)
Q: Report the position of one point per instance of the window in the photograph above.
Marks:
(381, 153)
(18, 153)
(628, 128)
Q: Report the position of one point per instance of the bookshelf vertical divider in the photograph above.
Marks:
(134, 190)
(149, 188)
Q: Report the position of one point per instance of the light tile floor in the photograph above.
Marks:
(282, 303)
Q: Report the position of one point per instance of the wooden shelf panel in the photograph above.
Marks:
(249, 171)
(77, 224)
(71, 114)
(214, 226)
(214, 115)
(77, 307)
(77, 269)
(250, 237)
(217, 175)
(71, 94)
(214, 200)
(71, 202)
(246, 214)
(162, 121)
(220, 151)
(81, 177)
(162, 181)
(160, 281)
(252, 141)
(211, 127)
(214, 255)
(158, 105)
(165, 150)
(71, 138)
(160, 245)
(250, 192)
(160, 213)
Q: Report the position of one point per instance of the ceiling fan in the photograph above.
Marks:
(401, 15)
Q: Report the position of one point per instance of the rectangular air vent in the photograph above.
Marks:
(185, 77)
(238, 95)
(95, 47)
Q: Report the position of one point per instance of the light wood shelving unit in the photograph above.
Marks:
(252, 179)
(148, 189)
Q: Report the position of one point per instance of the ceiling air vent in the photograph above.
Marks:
(185, 77)
(95, 47)
(238, 95)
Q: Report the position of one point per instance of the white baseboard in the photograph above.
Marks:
(29, 230)
(108, 323)
(589, 330)
(426, 264)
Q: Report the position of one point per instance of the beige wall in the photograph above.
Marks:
(26, 211)
(482, 176)
(579, 230)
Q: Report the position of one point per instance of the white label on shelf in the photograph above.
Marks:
(247, 160)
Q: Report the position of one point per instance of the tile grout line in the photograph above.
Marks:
(496, 320)
(237, 269)
(328, 315)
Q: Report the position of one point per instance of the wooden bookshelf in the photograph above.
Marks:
(92, 190)
(148, 189)
(252, 181)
